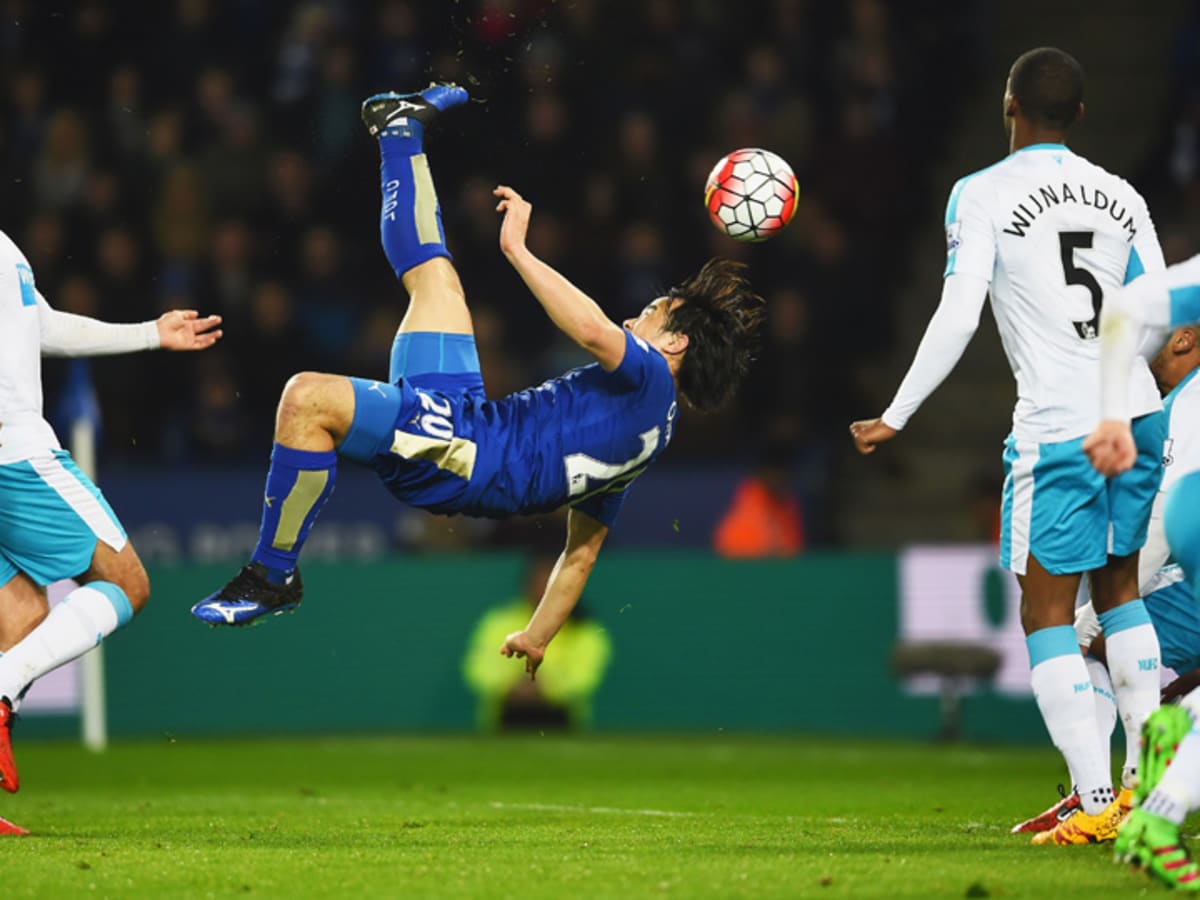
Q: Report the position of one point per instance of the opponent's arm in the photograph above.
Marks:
(576, 314)
(585, 536)
(946, 337)
(1143, 305)
(67, 334)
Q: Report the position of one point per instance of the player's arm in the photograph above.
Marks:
(67, 334)
(949, 331)
(576, 314)
(585, 536)
(970, 260)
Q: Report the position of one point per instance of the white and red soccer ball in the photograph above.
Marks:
(751, 194)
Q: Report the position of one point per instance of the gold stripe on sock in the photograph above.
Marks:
(424, 201)
(456, 455)
(296, 506)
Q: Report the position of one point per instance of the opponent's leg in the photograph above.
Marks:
(1169, 790)
(315, 414)
(111, 591)
(23, 606)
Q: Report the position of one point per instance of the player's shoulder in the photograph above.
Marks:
(9, 250)
(975, 182)
(1098, 174)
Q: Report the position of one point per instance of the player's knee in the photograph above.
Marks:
(301, 396)
(136, 584)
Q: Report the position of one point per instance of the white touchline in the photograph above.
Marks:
(556, 807)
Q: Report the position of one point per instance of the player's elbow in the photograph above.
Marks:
(1119, 312)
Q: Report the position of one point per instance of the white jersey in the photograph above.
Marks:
(1181, 456)
(1052, 233)
(23, 430)
(30, 329)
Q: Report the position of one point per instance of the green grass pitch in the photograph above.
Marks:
(541, 816)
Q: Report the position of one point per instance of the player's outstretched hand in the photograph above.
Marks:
(516, 211)
(1110, 447)
(867, 433)
(183, 329)
(522, 646)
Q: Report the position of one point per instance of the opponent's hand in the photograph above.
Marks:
(868, 433)
(516, 211)
(522, 646)
(1181, 686)
(1110, 447)
(183, 329)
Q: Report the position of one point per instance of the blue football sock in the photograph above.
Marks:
(298, 484)
(410, 221)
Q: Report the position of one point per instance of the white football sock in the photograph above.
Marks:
(1106, 706)
(1133, 664)
(1065, 697)
(75, 625)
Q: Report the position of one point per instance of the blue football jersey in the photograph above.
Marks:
(579, 440)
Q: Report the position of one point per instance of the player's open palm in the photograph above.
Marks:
(1111, 448)
(184, 329)
(867, 433)
(516, 211)
(522, 646)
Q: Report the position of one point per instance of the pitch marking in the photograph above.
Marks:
(557, 807)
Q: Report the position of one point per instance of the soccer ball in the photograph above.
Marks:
(751, 194)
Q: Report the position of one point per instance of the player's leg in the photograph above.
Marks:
(112, 589)
(410, 224)
(1061, 682)
(315, 415)
(23, 606)
(1132, 645)
(55, 524)
(1054, 523)
(1168, 792)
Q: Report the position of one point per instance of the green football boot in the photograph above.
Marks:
(1161, 733)
(1152, 843)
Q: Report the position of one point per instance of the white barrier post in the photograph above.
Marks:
(94, 701)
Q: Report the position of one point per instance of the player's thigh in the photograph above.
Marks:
(1047, 598)
(436, 361)
(1054, 508)
(436, 301)
(1131, 494)
(52, 517)
(23, 605)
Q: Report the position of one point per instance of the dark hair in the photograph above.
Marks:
(1048, 85)
(722, 318)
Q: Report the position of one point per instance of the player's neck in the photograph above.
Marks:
(1026, 134)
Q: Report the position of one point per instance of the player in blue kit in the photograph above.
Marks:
(434, 438)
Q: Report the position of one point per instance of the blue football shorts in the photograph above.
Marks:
(51, 516)
(431, 361)
(1068, 516)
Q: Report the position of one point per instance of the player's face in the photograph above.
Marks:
(1008, 99)
(652, 320)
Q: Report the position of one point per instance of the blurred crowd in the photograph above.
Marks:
(208, 154)
(1170, 178)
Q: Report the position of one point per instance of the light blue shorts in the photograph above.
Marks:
(1176, 619)
(51, 516)
(1068, 516)
(1181, 521)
